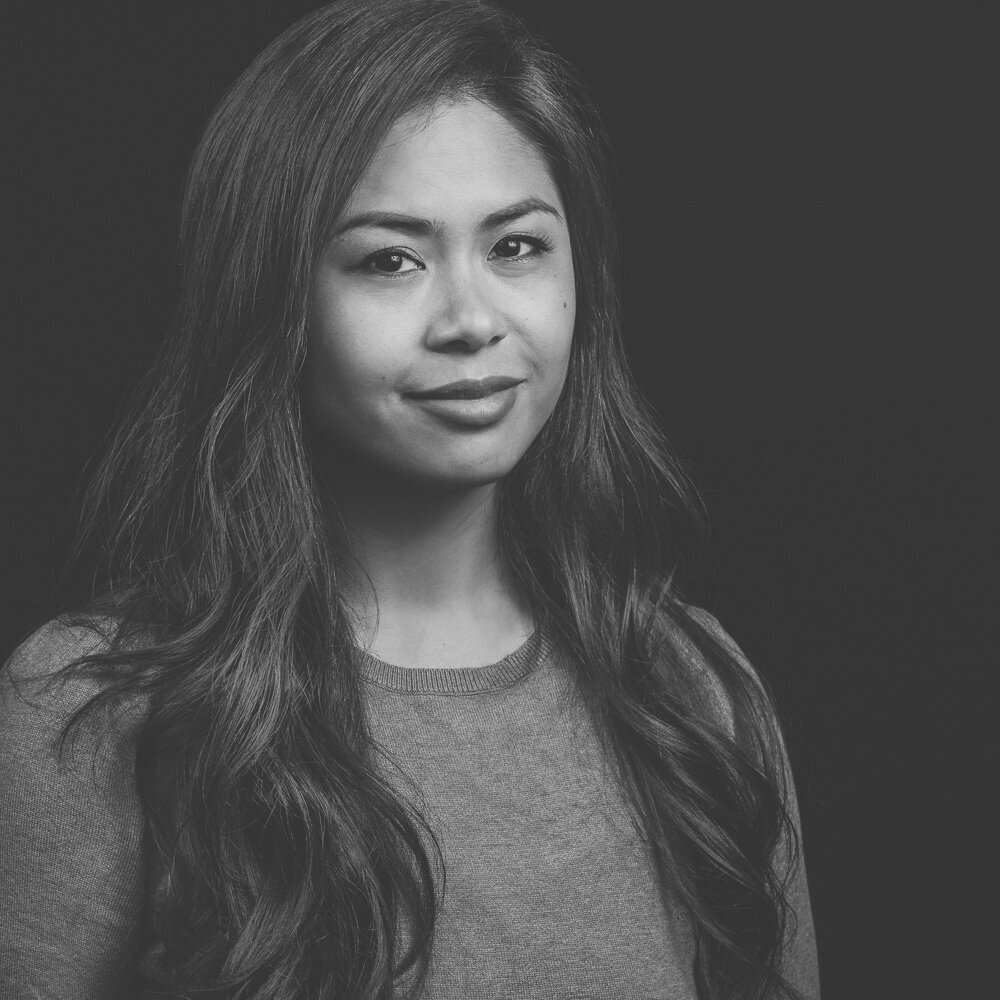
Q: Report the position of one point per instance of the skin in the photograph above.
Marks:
(400, 306)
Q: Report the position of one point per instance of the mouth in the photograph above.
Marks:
(468, 388)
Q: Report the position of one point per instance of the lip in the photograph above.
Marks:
(468, 388)
(470, 412)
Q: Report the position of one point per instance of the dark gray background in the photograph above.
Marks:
(802, 193)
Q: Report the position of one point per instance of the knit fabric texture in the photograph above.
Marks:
(549, 888)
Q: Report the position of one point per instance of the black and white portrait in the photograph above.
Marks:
(496, 502)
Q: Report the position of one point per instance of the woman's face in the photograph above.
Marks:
(442, 309)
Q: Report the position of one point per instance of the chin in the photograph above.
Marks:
(437, 464)
(464, 476)
(463, 470)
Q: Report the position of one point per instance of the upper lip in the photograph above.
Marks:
(468, 388)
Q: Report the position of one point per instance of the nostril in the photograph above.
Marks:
(457, 346)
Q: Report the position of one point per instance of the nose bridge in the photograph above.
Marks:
(466, 309)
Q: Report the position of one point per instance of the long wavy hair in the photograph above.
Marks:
(290, 867)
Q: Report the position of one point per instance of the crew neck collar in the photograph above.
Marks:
(458, 680)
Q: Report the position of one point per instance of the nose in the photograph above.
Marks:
(464, 318)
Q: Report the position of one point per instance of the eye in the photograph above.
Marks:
(391, 262)
(520, 247)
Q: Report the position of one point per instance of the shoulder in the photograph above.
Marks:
(38, 696)
(706, 625)
(33, 671)
(717, 663)
(707, 622)
(55, 644)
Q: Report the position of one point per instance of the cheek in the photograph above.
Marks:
(554, 327)
(343, 366)
(563, 305)
(563, 322)
(347, 339)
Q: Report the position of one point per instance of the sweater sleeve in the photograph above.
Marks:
(800, 964)
(71, 833)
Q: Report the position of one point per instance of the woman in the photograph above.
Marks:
(388, 684)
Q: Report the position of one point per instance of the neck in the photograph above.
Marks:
(427, 583)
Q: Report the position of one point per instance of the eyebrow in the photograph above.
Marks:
(414, 226)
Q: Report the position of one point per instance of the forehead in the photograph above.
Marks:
(458, 158)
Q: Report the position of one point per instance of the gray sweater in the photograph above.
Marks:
(549, 894)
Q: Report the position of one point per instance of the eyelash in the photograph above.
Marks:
(539, 245)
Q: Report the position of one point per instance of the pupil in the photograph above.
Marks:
(508, 247)
(390, 262)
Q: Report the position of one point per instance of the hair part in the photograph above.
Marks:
(206, 517)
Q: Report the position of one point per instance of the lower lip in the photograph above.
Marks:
(482, 412)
